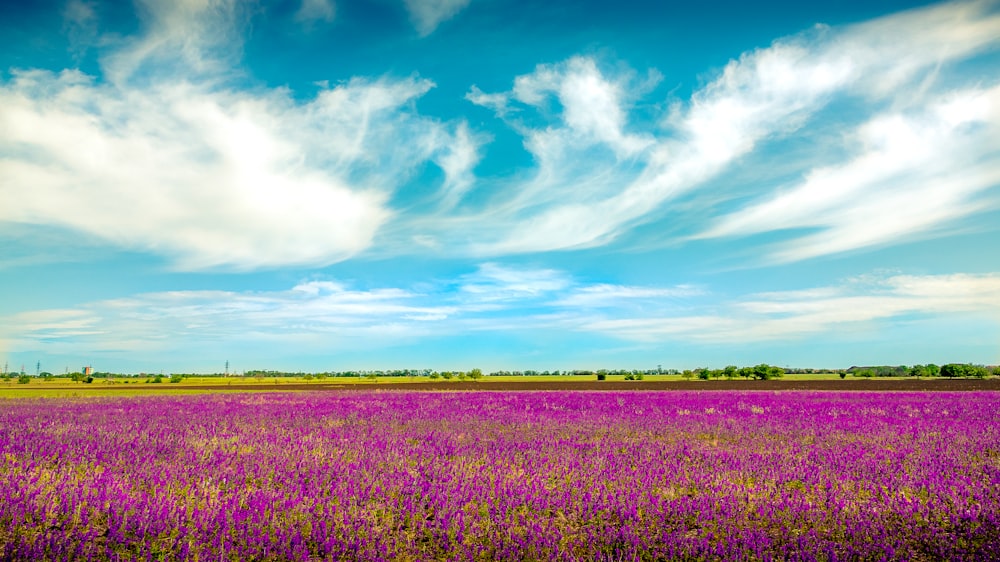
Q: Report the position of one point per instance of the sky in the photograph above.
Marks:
(325, 185)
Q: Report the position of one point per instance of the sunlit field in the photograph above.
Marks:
(130, 386)
(503, 476)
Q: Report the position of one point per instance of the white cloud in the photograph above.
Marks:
(606, 295)
(323, 315)
(913, 173)
(202, 38)
(80, 25)
(313, 11)
(596, 179)
(175, 163)
(492, 282)
(794, 315)
(427, 15)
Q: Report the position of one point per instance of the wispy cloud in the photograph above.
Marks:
(311, 12)
(427, 15)
(168, 152)
(794, 315)
(170, 160)
(914, 172)
(599, 174)
(327, 315)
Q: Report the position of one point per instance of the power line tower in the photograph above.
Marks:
(227, 367)
(38, 368)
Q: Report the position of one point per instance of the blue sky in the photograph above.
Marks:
(341, 184)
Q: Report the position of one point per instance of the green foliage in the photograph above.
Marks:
(767, 372)
(435, 375)
(157, 379)
(843, 374)
(602, 376)
(88, 380)
(864, 373)
(23, 379)
(704, 374)
(446, 375)
(955, 370)
(176, 378)
(476, 374)
(687, 374)
(730, 371)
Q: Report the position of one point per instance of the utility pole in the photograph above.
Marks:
(38, 368)
(227, 367)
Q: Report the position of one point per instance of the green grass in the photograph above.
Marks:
(137, 386)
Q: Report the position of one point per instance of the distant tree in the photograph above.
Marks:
(176, 378)
(476, 374)
(23, 379)
(704, 374)
(730, 371)
(766, 372)
(446, 375)
(952, 370)
(688, 374)
(932, 370)
(843, 374)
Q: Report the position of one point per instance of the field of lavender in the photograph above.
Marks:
(503, 476)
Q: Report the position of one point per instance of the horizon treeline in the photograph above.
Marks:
(761, 371)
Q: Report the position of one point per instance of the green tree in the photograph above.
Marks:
(953, 370)
(766, 372)
(704, 374)
(730, 371)
(23, 379)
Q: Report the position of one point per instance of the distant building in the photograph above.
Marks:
(87, 371)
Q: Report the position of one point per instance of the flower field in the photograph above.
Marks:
(612, 476)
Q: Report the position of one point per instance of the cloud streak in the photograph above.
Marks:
(427, 15)
(597, 176)
(178, 164)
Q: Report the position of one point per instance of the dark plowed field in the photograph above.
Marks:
(784, 384)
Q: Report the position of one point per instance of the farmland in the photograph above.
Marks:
(401, 475)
